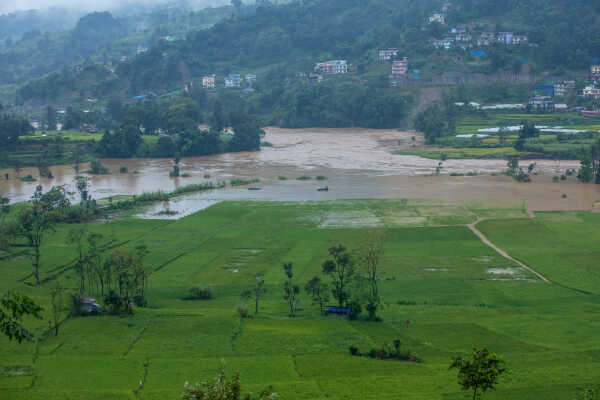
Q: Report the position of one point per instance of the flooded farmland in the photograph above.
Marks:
(357, 163)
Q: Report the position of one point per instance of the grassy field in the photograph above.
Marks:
(546, 145)
(547, 332)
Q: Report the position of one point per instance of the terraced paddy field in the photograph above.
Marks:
(457, 291)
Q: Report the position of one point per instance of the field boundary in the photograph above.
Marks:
(503, 253)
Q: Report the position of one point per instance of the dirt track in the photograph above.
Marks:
(503, 253)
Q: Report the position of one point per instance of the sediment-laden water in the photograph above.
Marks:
(358, 163)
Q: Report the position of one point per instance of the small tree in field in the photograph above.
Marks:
(479, 372)
(223, 388)
(256, 293)
(318, 291)
(290, 290)
(57, 307)
(372, 251)
(341, 270)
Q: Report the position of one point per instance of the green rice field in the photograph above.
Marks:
(457, 293)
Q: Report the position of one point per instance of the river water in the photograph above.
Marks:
(358, 163)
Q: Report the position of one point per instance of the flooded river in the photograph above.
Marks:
(358, 163)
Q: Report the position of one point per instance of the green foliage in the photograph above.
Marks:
(13, 307)
(586, 172)
(291, 291)
(223, 388)
(200, 293)
(96, 168)
(341, 270)
(387, 352)
(28, 178)
(480, 371)
(318, 292)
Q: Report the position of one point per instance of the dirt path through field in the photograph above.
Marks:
(503, 253)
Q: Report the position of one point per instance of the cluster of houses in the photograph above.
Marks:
(463, 38)
(593, 89)
(332, 67)
(544, 96)
(229, 81)
(399, 70)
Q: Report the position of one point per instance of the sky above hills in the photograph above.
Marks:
(7, 6)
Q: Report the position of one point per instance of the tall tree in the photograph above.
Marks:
(13, 307)
(341, 270)
(291, 291)
(75, 238)
(372, 251)
(318, 291)
(33, 223)
(58, 308)
(480, 371)
(257, 292)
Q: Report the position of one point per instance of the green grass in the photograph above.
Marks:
(465, 153)
(433, 265)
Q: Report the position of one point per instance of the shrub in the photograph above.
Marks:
(239, 182)
(266, 144)
(471, 173)
(564, 196)
(206, 176)
(123, 170)
(243, 311)
(282, 178)
(563, 177)
(321, 178)
(28, 178)
(200, 293)
(96, 168)
(185, 175)
(555, 178)
(355, 310)
(304, 178)
(353, 350)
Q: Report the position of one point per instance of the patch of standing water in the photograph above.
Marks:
(502, 271)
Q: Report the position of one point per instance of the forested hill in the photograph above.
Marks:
(564, 33)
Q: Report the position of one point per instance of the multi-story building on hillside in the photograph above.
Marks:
(233, 81)
(506, 37)
(332, 67)
(595, 70)
(542, 103)
(563, 88)
(438, 17)
(591, 91)
(400, 67)
(387, 54)
(208, 82)
(520, 39)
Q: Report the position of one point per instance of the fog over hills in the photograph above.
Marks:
(102, 5)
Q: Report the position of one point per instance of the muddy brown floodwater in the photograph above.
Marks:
(358, 163)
